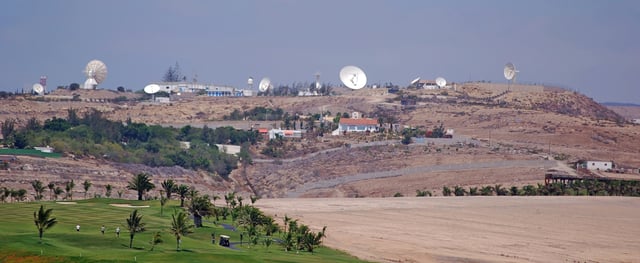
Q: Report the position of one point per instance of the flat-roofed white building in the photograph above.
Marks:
(212, 90)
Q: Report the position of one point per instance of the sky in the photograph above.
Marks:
(592, 47)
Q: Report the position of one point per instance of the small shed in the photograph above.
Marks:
(595, 165)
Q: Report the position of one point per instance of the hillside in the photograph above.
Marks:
(491, 125)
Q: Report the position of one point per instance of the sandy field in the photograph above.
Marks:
(473, 229)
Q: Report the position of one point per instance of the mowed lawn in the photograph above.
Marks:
(62, 243)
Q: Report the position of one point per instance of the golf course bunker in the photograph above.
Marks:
(129, 206)
(66, 203)
(472, 229)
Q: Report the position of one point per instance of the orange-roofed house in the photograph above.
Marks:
(357, 125)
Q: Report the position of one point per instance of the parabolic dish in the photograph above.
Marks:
(151, 89)
(38, 88)
(264, 85)
(353, 77)
(413, 82)
(509, 71)
(441, 82)
(97, 70)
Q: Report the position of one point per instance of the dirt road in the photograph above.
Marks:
(473, 229)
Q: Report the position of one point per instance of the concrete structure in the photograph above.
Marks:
(595, 165)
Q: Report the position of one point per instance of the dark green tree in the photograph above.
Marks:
(135, 225)
(182, 191)
(169, 187)
(86, 185)
(68, 188)
(180, 226)
(43, 220)
(38, 187)
(200, 206)
(141, 183)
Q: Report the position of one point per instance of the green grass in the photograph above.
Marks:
(29, 152)
(62, 243)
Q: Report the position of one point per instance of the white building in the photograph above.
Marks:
(356, 124)
(273, 133)
(208, 89)
(595, 165)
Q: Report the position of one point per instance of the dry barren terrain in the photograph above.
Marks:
(473, 229)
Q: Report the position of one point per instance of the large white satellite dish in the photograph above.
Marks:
(510, 71)
(441, 82)
(38, 88)
(264, 85)
(96, 72)
(353, 77)
(151, 89)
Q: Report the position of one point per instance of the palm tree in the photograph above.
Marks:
(86, 185)
(69, 188)
(180, 227)
(51, 187)
(135, 225)
(21, 194)
(200, 206)
(42, 219)
(169, 187)
(182, 190)
(38, 187)
(141, 183)
(4, 193)
(163, 201)
(286, 220)
(108, 189)
(155, 239)
(57, 192)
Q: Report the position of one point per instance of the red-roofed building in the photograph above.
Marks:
(357, 125)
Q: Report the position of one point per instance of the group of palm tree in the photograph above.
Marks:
(254, 223)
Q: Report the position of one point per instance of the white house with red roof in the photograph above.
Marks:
(356, 124)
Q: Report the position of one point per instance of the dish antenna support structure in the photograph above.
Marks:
(510, 72)
(353, 77)
(96, 72)
(317, 85)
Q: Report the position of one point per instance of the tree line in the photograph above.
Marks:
(92, 134)
(586, 187)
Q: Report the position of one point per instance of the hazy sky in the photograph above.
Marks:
(589, 46)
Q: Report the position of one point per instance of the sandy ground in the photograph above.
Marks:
(128, 205)
(473, 229)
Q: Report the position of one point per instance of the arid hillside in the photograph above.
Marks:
(501, 137)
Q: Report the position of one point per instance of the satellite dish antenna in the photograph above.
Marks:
(510, 74)
(151, 89)
(38, 88)
(96, 72)
(264, 85)
(413, 82)
(510, 71)
(353, 77)
(441, 82)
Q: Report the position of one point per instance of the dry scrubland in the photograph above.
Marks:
(496, 143)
